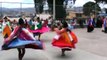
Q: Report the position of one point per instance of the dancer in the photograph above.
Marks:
(21, 38)
(65, 39)
(102, 19)
(6, 27)
(40, 29)
(90, 26)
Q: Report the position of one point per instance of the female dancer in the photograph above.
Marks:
(65, 39)
(39, 28)
(6, 25)
(21, 38)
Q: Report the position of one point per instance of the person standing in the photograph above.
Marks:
(90, 26)
(105, 25)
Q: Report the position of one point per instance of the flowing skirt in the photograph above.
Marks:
(21, 43)
(65, 41)
(90, 28)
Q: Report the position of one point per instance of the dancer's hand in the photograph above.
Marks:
(6, 41)
(55, 29)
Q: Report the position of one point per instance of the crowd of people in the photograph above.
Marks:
(100, 22)
(21, 34)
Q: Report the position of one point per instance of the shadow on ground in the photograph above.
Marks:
(23, 59)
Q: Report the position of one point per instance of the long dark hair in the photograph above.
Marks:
(65, 25)
(20, 22)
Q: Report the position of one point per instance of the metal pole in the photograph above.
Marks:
(21, 9)
(95, 11)
(1, 10)
(53, 9)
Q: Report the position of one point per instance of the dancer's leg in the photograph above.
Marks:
(63, 52)
(39, 37)
(21, 53)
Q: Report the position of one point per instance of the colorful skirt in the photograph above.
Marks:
(21, 43)
(64, 40)
(6, 31)
(90, 28)
(42, 30)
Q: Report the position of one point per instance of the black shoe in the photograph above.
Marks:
(63, 55)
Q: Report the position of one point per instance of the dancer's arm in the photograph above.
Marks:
(60, 31)
(13, 34)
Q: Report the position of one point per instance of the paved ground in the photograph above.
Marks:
(91, 46)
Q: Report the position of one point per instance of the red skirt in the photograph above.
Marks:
(65, 41)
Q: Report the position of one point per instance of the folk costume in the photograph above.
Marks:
(21, 37)
(64, 39)
(90, 26)
(39, 29)
(105, 25)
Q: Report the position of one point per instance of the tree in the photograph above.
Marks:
(60, 12)
(38, 6)
(50, 2)
(101, 1)
(90, 8)
(59, 9)
(106, 10)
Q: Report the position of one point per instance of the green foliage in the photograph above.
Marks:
(59, 9)
(106, 10)
(101, 1)
(38, 3)
(91, 8)
(50, 2)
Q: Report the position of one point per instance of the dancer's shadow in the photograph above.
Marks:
(66, 57)
(23, 59)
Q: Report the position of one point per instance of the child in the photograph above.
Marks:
(65, 39)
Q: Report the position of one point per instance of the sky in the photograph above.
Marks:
(27, 3)
(82, 2)
(24, 1)
(17, 5)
